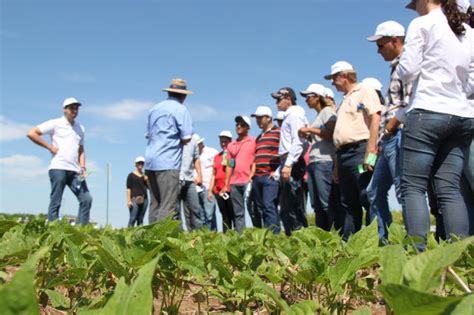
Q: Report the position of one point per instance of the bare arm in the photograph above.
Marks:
(185, 141)
(35, 135)
(228, 174)
(374, 123)
(197, 167)
(252, 170)
(129, 198)
(325, 133)
(211, 185)
(82, 157)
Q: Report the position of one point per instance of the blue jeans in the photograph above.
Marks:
(59, 179)
(137, 212)
(321, 192)
(265, 193)
(188, 196)
(208, 211)
(353, 186)
(239, 197)
(386, 173)
(433, 145)
(292, 207)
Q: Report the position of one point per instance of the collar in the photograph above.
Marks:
(355, 89)
(67, 121)
(395, 61)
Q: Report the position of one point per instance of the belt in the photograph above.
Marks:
(352, 145)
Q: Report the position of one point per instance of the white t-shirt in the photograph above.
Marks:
(67, 138)
(207, 160)
(438, 62)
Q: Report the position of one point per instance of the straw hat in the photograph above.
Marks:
(178, 86)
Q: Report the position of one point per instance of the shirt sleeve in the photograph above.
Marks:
(412, 56)
(185, 124)
(129, 182)
(47, 127)
(371, 101)
(296, 123)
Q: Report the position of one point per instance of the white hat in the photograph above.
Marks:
(69, 101)
(339, 67)
(198, 138)
(140, 159)
(314, 89)
(280, 115)
(329, 93)
(263, 111)
(245, 119)
(226, 133)
(387, 29)
(373, 83)
(463, 5)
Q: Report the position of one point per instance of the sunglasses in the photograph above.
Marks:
(382, 45)
(241, 125)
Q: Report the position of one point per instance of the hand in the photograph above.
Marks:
(84, 172)
(129, 204)
(335, 176)
(303, 132)
(53, 149)
(198, 180)
(209, 197)
(368, 167)
(223, 190)
(286, 173)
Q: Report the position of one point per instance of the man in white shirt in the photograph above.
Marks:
(208, 211)
(293, 166)
(68, 162)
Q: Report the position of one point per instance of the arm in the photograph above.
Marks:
(409, 66)
(35, 135)
(82, 158)
(374, 123)
(185, 126)
(228, 174)
(211, 185)
(129, 198)
(197, 167)
(252, 170)
(325, 133)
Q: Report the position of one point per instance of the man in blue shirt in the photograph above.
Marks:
(169, 128)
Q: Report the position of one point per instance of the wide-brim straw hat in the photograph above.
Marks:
(178, 86)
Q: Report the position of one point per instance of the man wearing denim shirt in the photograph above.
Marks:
(292, 166)
(169, 128)
(389, 37)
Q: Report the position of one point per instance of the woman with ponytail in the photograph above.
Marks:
(440, 121)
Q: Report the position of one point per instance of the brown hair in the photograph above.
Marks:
(454, 16)
(351, 76)
(470, 17)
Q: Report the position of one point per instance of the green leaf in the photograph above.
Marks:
(392, 261)
(135, 299)
(57, 299)
(364, 310)
(68, 278)
(466, 306)
(302, 308)
(6, 225)
(421, 272)
(18, 296)
(406, 301)
(396, 234)
(111, 264)
(366, 239)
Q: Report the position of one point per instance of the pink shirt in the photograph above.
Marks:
(243, 153)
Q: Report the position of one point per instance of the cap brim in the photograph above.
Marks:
(374, 38)
(276, 95)
(177, 91)
(411, 5)
(328, 77)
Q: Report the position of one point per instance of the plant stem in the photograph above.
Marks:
(459, 280)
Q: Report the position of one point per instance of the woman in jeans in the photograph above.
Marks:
(439, 122)
(320, 167)
(137, 193)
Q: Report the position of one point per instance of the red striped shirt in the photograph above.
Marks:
(267, 158)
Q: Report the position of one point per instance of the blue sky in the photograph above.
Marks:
(115, 56)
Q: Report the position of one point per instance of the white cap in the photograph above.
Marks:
(245, 119)
(387, 29)
(263, 111)
(140, 159)
(339, 67)
(69, 101)
(198, 138)
(314, 89)
(226, 133)
(329, 93)
(373, 83)
(280, 115)
(463, 5)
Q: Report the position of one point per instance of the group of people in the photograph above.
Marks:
(416, 138)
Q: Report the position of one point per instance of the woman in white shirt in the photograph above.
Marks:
(439, 124)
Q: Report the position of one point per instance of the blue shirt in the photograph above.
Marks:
(169, 122)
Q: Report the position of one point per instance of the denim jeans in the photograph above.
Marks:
(208, 211)
(255, 215)
(386, 174)
(59, 179)
(137, 212)
(265, 193)
(320, 191)
(239, 196)
(188, 197)
(433, 146)
(292, 207)
(353, 187)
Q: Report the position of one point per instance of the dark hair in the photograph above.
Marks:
(179, 96)
(455, 17)
(323, 101)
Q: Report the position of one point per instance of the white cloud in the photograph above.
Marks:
(11, 130)
(20, 166)
(205, 113)
(126, 109)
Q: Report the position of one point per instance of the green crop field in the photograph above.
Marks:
(57, 268)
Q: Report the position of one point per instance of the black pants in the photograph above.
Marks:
(227, 212)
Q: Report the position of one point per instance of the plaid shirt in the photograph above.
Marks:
(396, 101)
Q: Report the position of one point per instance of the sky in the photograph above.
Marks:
(116, 56)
